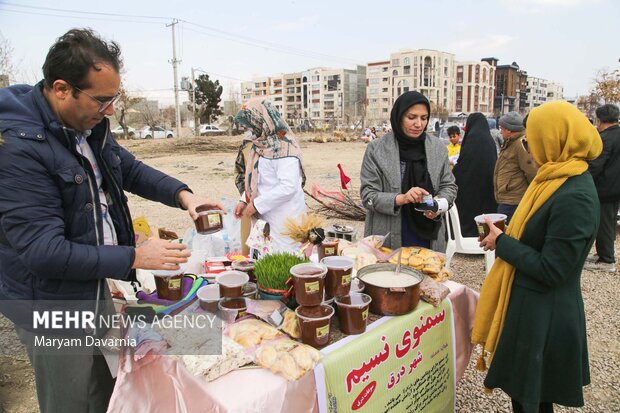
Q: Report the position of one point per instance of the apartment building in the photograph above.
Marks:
(555, 91)
(323, 96)
(510, 88)
(430, 72)
(475, 86)
(540, 91)
(334, 96)
(292, 96)
(536, 92)
(378, 92)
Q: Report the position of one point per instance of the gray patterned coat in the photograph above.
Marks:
(381, 178)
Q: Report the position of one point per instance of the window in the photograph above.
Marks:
(406, 70)
(428, 66)
(406, 61)
(402, 87)
(395, 62)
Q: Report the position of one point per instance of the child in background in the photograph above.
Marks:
(454, 147)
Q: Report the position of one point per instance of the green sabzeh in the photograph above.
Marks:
(273, 270)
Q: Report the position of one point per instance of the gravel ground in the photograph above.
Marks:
(600, 294)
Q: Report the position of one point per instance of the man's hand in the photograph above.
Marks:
(415, 194)
(190, 201)
(239, 209)
(488, 243)
(249, 210)
(159, 254)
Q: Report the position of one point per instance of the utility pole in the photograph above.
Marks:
(175, 62)
(196, 121)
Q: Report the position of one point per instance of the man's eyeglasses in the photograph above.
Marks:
(104, 103)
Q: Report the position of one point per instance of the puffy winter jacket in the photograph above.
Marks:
(51, 230)
(606, 168)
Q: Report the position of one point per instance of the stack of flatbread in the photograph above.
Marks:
(427, 261)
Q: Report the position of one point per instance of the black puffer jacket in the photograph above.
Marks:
(606, 168)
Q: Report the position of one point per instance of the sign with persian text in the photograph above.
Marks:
(401, 364)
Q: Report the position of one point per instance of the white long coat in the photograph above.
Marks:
(280, 196)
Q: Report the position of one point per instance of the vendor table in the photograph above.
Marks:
(161, 384)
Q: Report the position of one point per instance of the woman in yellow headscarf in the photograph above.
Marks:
(530, 317)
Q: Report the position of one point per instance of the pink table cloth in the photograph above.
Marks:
(161, 384)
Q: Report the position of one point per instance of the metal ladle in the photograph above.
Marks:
(398, 264)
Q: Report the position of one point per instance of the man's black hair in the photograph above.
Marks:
(608, 113)
(75, 53)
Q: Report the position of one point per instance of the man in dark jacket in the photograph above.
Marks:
(605, 170)
(65, 225)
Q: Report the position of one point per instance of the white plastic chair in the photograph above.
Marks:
(464, 245)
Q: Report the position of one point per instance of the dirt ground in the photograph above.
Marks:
(206, 165)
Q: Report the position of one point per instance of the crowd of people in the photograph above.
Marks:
(65, 225)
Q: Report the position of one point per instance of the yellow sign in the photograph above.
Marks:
(403, 364)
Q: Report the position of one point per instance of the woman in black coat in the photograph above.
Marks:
(474, 174)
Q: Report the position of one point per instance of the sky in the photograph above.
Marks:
(564, 41)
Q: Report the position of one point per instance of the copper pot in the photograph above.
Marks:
(391, 300)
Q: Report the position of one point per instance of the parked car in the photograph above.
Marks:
(211, 130)
(119, 132)
(157, 132)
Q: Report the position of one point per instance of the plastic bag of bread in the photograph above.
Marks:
(213, 366)
(251, 332)
(287, 357)
(361, 256)
(373, 244)
(433, 292)
(290, 324)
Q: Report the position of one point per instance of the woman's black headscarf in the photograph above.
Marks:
(413, 154)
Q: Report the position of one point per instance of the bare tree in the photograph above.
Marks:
(169, 116)
(8, 69)
(588, 104)
(125, 103)
(607, 85)
(149, 112)
(439, 111)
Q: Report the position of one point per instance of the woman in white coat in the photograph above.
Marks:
(273, 173)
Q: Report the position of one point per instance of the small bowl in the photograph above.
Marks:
(250, 290)
(231, 283)
(209, 295)
(232, 308)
